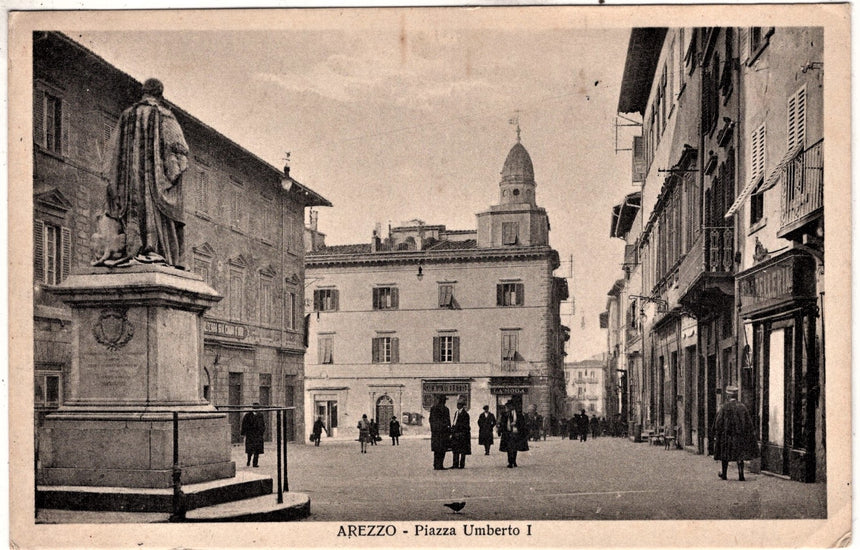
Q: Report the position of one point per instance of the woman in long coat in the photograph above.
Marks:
(513, 433)
(486, 423)
(734, 434)
(254, 430)
(461, 434)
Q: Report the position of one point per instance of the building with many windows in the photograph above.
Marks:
(724, 265)
(427, 311)
(243, 233)
(585, 387)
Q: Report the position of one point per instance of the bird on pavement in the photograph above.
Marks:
(456, 506)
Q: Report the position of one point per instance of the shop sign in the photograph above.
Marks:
(430, 389)
(225, 330)
(784, 281)
(509, 390)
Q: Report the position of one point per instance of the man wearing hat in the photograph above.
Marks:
(734, 434)
(254, 430)
(486, 423)
(461, 434)
(440, 431)
(513, 432)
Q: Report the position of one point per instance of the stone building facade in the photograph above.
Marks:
(427, 311)
(728, 241)
(243, 233)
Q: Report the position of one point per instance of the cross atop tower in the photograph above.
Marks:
(515, 120)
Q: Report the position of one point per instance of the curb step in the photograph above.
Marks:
(265, 508)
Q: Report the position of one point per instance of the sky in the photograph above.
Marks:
(400, 117)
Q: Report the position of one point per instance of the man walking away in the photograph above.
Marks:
(594, 423)
(734, 434)
(394, 431)
(254, 430)
(440, 431)
(486, 423)
(318, 429)
(582, 425)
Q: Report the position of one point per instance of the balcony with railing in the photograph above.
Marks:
(706, 273)
(802, 189)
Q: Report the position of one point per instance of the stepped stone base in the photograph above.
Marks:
(261, 509)
(123, 499)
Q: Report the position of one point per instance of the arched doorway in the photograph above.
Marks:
(384, 412)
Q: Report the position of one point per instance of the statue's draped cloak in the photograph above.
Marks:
(144, 191)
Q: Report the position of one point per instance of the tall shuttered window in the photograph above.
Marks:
(797, 120)
(51, 252)
(385, 297)
(385, 349)
(446, 349)
(50, 121)
(510, 294)
(325, 299)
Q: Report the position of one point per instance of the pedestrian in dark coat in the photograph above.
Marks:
(254, 430)
(318, 429)
(440, 431)
(394, 431)
(374, 431)
(582, 425)
(594, 424)
(734, 434)
(461, 434)
(486, 423)
(513, 433)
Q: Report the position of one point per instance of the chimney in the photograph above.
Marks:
(374, 242)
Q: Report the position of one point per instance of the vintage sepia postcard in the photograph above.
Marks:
(484, 276)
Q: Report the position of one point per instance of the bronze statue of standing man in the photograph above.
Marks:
(144, 188)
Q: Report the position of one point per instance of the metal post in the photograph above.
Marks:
(280, 487)
(178, 498)
(286, 479)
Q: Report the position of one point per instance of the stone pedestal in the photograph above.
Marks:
(136, 351)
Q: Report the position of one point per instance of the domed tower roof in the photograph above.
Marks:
(518, 166)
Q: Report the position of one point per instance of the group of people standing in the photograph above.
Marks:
(456, 435)
(368, 432)
(581, 425)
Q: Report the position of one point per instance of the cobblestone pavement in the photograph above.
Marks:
(601, 479)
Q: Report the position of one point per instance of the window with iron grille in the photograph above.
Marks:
(509, 294)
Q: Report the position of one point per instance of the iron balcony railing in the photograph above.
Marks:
(803, 184)
(712, 252)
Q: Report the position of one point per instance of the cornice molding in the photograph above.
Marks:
(432, 257)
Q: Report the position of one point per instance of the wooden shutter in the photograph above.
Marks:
(64, 127)
(376, 298)
(375, 343)
(317, 300)
(797, 119)
(500, 294)
(437, 349)
(520, 292)
(744, 43)
(456, 342)
(395, 349)
(66, 251)
(639, 166)
(512, 345)
(334, 299)
(442, 293)
(395, 298)
(39, 117)
(321, 351)
(38, 251)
